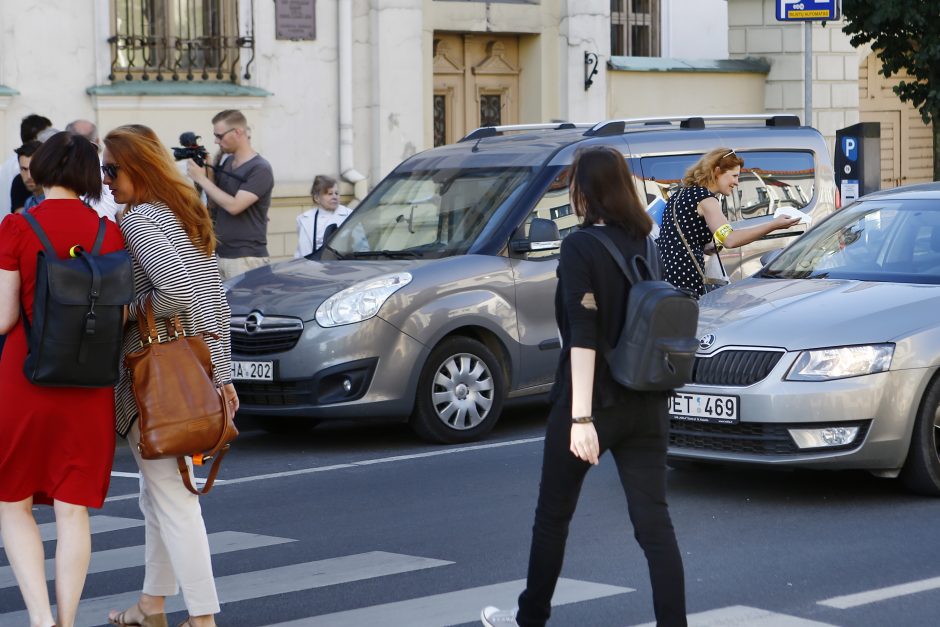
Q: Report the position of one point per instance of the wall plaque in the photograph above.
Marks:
(295, 19)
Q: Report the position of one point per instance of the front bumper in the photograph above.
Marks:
(378, 360)
(883, 405)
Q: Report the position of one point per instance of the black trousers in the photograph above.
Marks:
(636, 435)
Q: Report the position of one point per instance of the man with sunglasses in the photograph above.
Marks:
(239, 197)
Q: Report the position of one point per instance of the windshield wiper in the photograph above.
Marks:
(391, 254)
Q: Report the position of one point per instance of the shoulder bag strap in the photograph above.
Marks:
(99, 237)
(187, 478)
(34, 225)
(631, 273)
(675, 220)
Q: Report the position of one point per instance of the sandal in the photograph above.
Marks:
(153, 620)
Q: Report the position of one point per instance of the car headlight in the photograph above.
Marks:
(361, 301)
(824, 364)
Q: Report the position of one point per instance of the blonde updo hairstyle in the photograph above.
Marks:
(703, 172)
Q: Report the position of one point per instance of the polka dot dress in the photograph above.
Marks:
(680, 270)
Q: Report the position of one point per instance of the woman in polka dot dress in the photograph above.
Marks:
(698, 214)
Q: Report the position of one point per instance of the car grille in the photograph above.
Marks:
(735, 367)
(748, 438)
(281, 394)
(255, 334)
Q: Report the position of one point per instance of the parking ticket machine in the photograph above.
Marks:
(858, 160)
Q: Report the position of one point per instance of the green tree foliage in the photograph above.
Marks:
(905, 35)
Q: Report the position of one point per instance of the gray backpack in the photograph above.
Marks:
(656, 348)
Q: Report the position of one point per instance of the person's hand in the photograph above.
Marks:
(584, 442)
(230, 396)
(783, 221)
(195, 171)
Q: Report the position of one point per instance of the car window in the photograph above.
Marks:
(897, 241)
(428, 214)
(771, 180)
(661, 176)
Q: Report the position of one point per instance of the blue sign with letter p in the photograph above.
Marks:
(850, 148)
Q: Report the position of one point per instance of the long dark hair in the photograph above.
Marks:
(602, 190)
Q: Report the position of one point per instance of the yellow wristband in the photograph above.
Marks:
(722, 234)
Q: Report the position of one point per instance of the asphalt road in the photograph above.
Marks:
(347, 526)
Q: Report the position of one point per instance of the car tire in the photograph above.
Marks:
(460, 392)
(921, 472)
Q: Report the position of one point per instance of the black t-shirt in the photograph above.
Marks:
(18, 193)
(590, 306)
(245, 234)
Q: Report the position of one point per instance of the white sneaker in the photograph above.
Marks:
(495, 617)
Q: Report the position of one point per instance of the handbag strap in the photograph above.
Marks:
(187, 477)
(147, 326)
(698, 268)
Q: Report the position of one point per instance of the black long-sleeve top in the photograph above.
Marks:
(590, 305)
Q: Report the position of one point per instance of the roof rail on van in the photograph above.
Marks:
(617, 127)
(493, 131)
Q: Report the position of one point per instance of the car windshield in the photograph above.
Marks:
(426, 214)
(874, 240)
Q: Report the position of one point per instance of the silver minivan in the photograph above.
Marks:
(434, 301)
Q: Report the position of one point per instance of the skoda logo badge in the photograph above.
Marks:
(705, 342)
(253, 322)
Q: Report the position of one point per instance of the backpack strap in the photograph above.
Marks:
(632, 272)
(34, 225)
(99, 237)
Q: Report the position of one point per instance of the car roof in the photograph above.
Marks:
(922, 191)
(537, 144)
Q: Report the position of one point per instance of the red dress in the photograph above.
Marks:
(55, 443)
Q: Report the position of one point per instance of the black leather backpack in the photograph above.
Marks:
(77, 330)
(656, 348)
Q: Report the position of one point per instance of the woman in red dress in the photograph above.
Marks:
(56, 443)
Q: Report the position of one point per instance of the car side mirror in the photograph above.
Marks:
(543, 235)
(768, 257)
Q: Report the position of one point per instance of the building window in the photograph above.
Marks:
(634, 28)
(192, 40)
(440, 119)
(490, 110)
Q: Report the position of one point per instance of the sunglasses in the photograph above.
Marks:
(727, 154)
(219, 136)
(110, 170)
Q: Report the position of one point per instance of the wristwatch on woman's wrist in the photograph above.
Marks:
(581, 420)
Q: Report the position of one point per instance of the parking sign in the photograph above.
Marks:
(803, 10)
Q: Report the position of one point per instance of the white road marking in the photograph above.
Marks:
(454, 608)
(260, 583)
(131, 556)
(99, 524)
(743, 616)
(127, 475)
(881, 594)
(364, 462)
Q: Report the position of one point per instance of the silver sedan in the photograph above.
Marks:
(829, 356)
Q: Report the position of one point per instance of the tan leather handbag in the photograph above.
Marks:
(181, 412)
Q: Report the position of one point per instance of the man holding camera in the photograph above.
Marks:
(239, 198)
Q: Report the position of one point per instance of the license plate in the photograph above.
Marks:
(253, 370)
(704, 408)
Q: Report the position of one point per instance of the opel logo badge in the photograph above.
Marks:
(705, 342)
(253, 322)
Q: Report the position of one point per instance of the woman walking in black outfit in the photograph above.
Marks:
(591, 412)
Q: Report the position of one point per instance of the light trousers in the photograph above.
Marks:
(177, 556)
(229, 268)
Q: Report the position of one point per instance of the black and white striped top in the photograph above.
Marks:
(182, 280)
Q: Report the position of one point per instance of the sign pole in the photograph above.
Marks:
(808, 73)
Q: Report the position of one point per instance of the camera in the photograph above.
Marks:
(191, 149)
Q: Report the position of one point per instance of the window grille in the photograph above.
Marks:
(635, 28)
(192, 40)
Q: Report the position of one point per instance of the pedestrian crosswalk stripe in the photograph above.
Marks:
(261, 583)
(131, 556)
(743, 616)
(454, 608)
(99, 524)
(881, 594)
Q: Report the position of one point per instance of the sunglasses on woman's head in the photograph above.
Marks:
(727, 154)
(110, 170)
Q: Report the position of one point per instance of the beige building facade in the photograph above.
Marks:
(352, 87)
